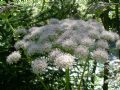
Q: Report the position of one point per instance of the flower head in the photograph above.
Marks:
(39, 66)
(64, 61)
(55, 53)
(82, 51)
(94, 34)
(100, 55)
(87, 41)
(21, 44)
(107, 35)
(102, 44)
(14, 57)
(69, 43)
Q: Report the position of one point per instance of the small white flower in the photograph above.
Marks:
(69, 43)
(94, 34)
(100, 55)
(39, 66)
(21, 44)
(87, 41)
(55, 53)
(117, 37)
(14, 57)
(66, 35)
(82, 51)
(64, 61)
(102, 44)
(118, 44)
(107, 35)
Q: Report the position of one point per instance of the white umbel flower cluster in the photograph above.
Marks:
(69, 43)
(102, 44)
(39, 66)
(55, 53)
(14, 57)
(82, 51)
(100, 55)
(20, 44)
(87, 41)
(94, 34)
(64, 61)
(108, 35)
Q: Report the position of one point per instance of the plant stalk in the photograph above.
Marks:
(85, 65)
(67, 79)
(41, 81)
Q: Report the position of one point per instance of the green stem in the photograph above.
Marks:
(67, 79)
(85, 65)
(41, 81)
(28, 57)
(43, 4)
(13, 30)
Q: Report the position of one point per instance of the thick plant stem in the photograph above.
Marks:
(106, 73)
(85, 65)
(67, 79)
(105, 17)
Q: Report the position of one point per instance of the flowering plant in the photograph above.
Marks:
(63, 45)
